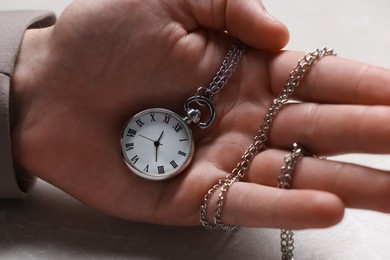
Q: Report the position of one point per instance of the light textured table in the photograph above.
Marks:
(52, 225)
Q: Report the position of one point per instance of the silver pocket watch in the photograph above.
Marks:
(157, 143)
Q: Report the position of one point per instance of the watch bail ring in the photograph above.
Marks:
(202, 92)
(202, 101)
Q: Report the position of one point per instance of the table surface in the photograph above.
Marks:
(50, 224)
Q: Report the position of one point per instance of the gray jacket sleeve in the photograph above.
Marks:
(13, 24)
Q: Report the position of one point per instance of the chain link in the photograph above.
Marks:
(284, 179)
(287, 244)
(295, 77)
(229, 65)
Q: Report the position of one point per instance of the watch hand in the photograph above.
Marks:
(157, 143)
(147, 138)
(156, 151)
(160, 136)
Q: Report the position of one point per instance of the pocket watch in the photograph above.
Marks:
(157, 143)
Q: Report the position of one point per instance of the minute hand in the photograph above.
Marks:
(147, 138)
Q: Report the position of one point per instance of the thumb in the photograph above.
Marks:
(246, 20)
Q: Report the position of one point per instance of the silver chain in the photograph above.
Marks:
(229, 65)
(287, 244)
(284, 182)
(295, 77)
(203, 95)
(285, 177)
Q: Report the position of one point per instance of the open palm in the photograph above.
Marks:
(104, 61)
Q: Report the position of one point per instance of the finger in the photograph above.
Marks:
(333, 80)
(253, 205)
(332, 129)
(247, 20)
(357, 186)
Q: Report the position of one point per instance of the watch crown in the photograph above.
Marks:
(193, 116)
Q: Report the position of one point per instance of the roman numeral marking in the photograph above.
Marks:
(182, 153)
(129, 146)
(152, 117)
(160, 169)
(178, 127)
(135, 159)
(174, 164)
(131, 132)
(146, 168)
(139, 122)
(167, 119)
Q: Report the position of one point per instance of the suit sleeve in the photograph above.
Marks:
(13, 24)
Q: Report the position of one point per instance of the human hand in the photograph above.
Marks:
(102, 63)
(76, 84)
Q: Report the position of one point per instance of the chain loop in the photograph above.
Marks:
(284, 182)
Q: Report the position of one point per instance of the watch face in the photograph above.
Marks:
(157, 144)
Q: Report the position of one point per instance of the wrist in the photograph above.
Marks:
(27, 81)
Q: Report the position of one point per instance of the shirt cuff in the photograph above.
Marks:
(13, 24)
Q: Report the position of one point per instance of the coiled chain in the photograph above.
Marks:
(295, 77)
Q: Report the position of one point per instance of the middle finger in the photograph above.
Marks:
(332, 129)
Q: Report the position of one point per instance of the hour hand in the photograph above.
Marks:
(160, 136)
(157, 143)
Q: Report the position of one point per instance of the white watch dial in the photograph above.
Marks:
(157, 144)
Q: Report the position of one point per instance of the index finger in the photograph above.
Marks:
(245, 19)
(333, 80)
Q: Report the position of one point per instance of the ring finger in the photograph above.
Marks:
(347, 181)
